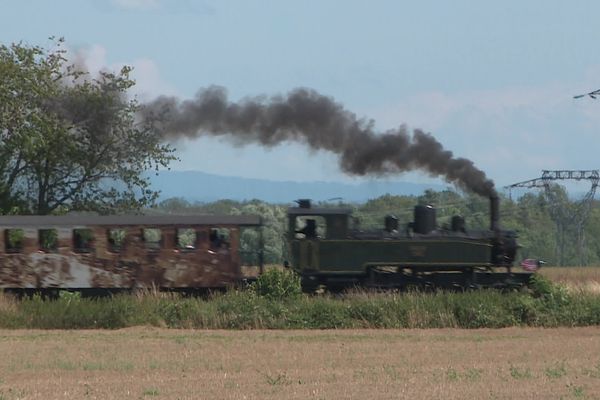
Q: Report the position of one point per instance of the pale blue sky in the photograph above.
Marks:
(493, 81)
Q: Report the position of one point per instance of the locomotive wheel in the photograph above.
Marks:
(382, 277)
(309, 284)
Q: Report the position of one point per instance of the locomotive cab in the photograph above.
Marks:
(308, 227)
(308, 223)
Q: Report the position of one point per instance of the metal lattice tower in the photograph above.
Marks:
(565, 217)
(593, 95)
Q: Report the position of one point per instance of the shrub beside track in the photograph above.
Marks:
(276, 303)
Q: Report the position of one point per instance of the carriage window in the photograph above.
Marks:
(310, 227)
(219, 238)
(152, 238)
(48, 240)
(186, 238)
(116, 240)
(13, 240)
(82, 240)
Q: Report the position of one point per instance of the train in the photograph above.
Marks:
(327, 252)
(91, 253)
(96, 254)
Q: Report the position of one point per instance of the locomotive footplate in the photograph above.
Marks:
(455, 280)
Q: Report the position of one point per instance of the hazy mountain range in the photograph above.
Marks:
(203, 187)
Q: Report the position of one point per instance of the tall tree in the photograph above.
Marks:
(71, 141)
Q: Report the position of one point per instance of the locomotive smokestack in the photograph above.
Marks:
(494, 212)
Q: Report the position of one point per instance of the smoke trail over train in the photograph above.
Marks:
(308, 117)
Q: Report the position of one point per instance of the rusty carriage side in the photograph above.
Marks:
(121, 252)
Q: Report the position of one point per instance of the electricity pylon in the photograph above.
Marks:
(593, 95)
(562, 215)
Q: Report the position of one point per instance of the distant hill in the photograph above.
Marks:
(203, 187)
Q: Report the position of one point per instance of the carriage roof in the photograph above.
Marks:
(124, 220)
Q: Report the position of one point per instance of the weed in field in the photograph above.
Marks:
(8, 304)
(576, 391)
(65, 365)
(470, 374)
(229, 384)
(520, 373)
(392, 372)
(69, 297)
(277, 379)
(153, 365)
(365, 374)
(12, 394)
(593, 372)
(556, 371)
(180, 339)
(93, 366)
(124, 366)
(452, 374)
(150, 392)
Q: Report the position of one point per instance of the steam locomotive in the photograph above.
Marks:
(327, 252)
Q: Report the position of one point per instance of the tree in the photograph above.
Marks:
(71, 141)
(174, 205)
(530, 218)
(273, 232)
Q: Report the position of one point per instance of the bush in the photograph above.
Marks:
(276, 284)
(553, 293)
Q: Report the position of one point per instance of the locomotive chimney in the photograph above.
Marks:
(494, 212)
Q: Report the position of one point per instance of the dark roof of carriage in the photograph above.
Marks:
(123, 220)
(319, 211)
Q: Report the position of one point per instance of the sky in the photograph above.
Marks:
(492, 81)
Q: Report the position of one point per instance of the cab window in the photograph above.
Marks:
(310, 227)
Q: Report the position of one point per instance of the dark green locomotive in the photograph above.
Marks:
(326, 251)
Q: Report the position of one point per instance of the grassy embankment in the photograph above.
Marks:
(276, 303)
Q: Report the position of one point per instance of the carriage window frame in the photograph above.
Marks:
(219, 238)
(83, 240)
(114, 245)
(152, 245)
(179, 233)
(52, 236)
(14, 248)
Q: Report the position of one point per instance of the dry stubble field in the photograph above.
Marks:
(576, 279)
(154, 363)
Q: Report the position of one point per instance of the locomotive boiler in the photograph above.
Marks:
(326, 251)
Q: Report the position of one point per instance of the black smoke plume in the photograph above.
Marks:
(305, 116)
